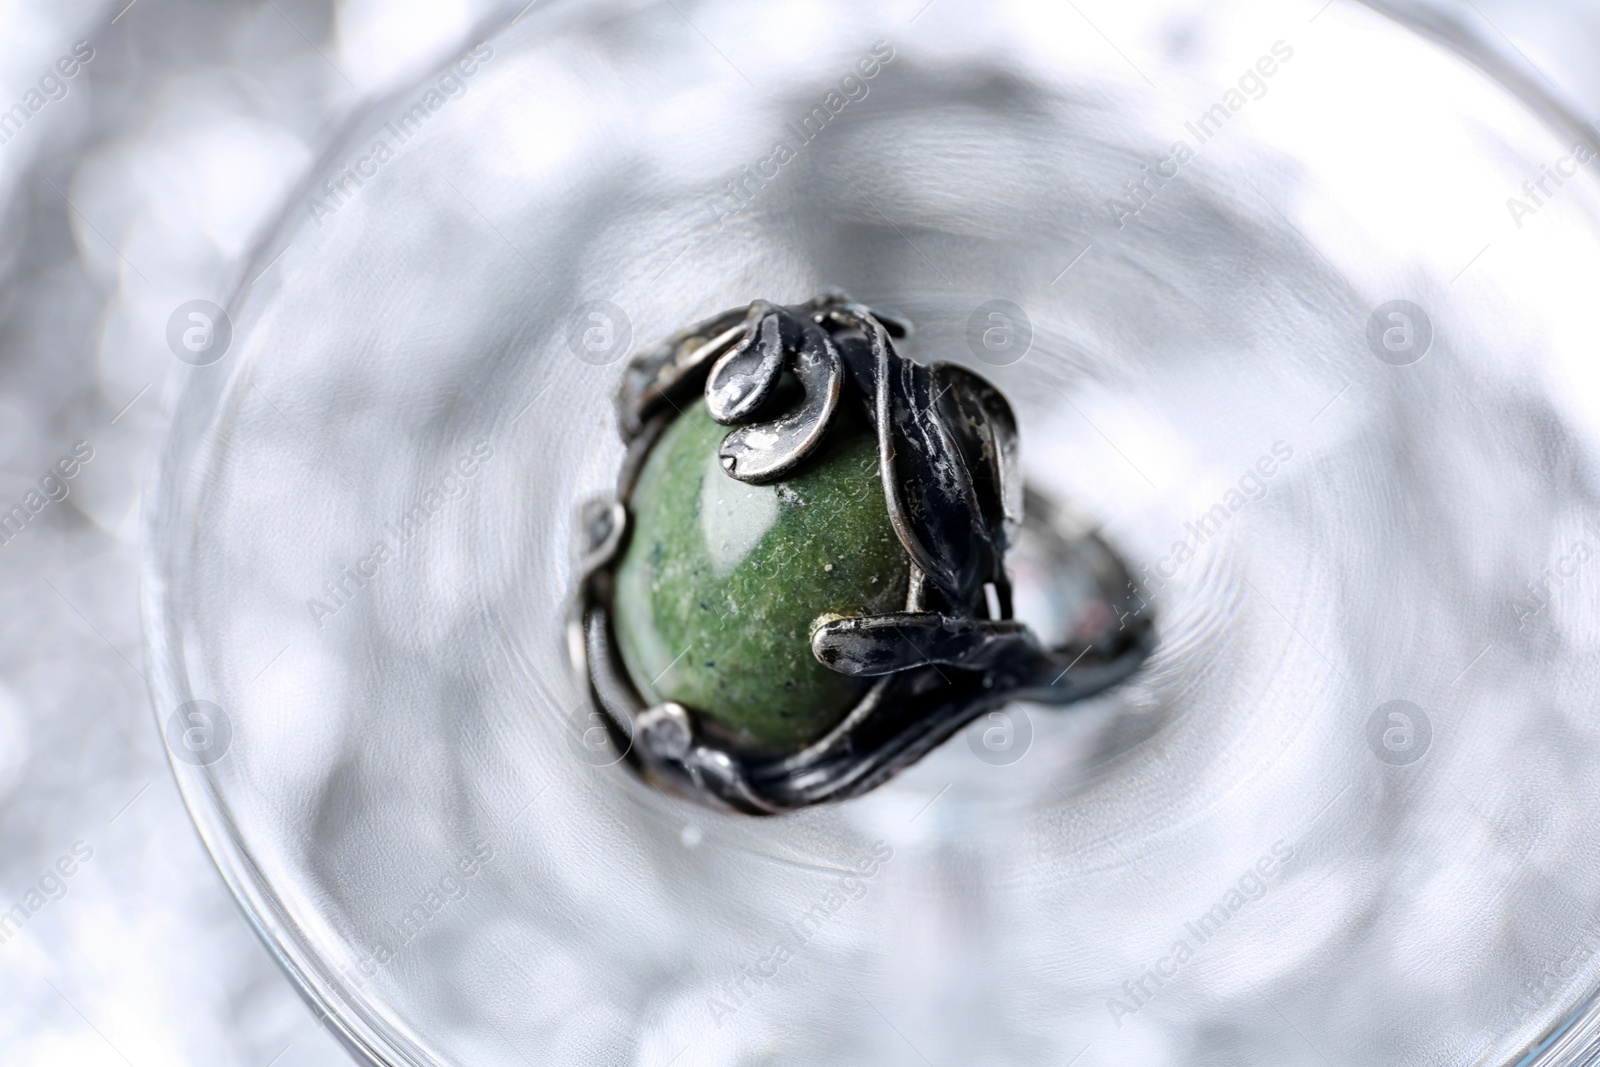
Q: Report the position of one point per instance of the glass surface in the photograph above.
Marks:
(1343, 816)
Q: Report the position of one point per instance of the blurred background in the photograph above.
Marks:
(129, 187)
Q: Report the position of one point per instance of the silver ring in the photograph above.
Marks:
(948, 461)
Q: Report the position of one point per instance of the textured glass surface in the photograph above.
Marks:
(1342, 817)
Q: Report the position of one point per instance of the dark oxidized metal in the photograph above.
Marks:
(947, 453)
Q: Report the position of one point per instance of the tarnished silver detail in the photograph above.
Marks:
(664, 731)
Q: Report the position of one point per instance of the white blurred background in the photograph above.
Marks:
(134, 186)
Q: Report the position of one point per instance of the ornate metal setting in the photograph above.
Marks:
(947, 453)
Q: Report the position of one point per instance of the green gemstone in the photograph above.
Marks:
(722, 583)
